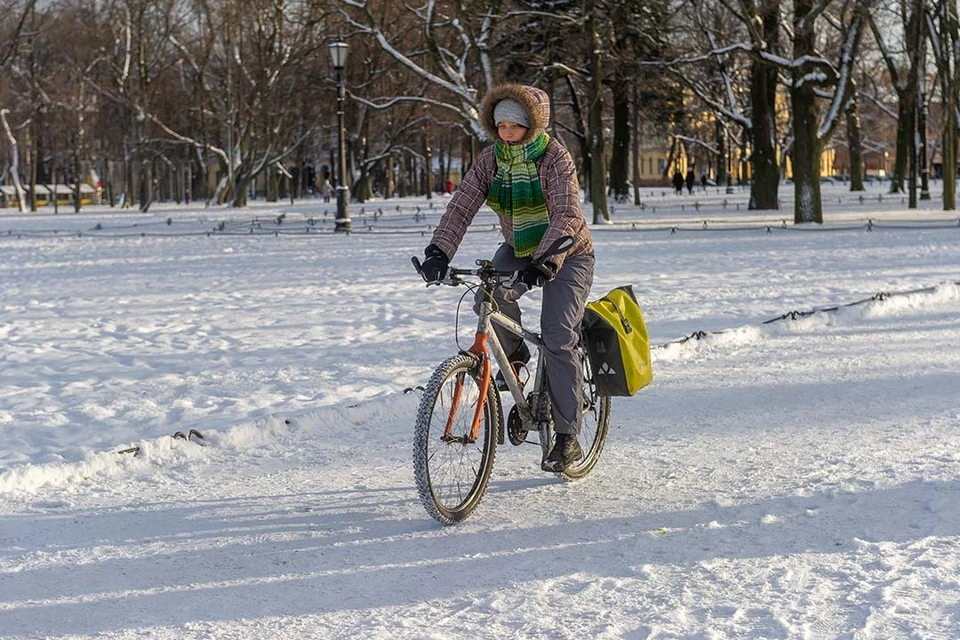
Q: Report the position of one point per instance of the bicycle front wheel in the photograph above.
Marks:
(594, 423)
(451, 465)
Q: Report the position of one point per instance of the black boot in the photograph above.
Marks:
(566, 450)
(518, 359)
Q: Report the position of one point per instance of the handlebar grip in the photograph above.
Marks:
(416, 264)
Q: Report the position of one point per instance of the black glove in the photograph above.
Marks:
(434, 268)
(536, 275)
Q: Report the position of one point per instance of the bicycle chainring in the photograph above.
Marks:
(515, 430)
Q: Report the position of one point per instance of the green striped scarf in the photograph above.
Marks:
(516, 192)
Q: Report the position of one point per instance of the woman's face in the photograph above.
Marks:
(511, 132)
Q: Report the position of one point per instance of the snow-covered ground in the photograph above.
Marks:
(790, 479)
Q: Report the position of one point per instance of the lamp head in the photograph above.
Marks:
(338, 54)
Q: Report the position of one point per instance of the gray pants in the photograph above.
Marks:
(564, 298)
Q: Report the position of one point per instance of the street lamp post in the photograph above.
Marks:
(924, 168)
(338, 53)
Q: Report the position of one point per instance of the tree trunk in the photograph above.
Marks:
(584, 146)
(273, 184)
(945, 54)
(763, 132)
(620, 154)
(362, 187)
(912, 149)
(78, 156)
(723, 152)
(77, 179)
(855, 144)
(301, 174)
(427, 186)
(403, 179)
(806, 146)
(905, 159)
(242, 185)
(14, 161)
(34, 160)
(806, 163)
(147, 193)
(949, 151)
(635, 143)
(904, 134)
(949, 154)
(468, 153)
(443, 156)
(904, 167)
(389, 180)
(598, 168)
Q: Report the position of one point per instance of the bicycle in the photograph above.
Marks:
(460, 418)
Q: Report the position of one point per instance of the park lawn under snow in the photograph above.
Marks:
(787, 479)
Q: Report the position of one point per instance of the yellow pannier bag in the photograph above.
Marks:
(617, 343)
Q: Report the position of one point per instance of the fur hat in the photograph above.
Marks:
(510, 110)
(535, 103)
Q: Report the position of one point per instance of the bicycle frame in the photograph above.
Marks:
(485, 343)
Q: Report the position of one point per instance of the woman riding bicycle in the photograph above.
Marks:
(530, 181)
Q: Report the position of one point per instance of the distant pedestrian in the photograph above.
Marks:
(703, 180)
(690, 180)
(678, 182)
(326, 189)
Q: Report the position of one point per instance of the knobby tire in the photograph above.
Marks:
(452, 475)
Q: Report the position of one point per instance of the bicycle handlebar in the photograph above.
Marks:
(484, 271)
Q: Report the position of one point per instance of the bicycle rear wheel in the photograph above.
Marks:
(451, 468)
(594, 423)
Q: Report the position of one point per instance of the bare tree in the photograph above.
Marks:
(731, 61)
(903, 63)
(824, 37)
(13, 17)
(943, 23)
(816, 78)
(449, 57)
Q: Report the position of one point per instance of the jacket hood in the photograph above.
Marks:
(534, 100)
